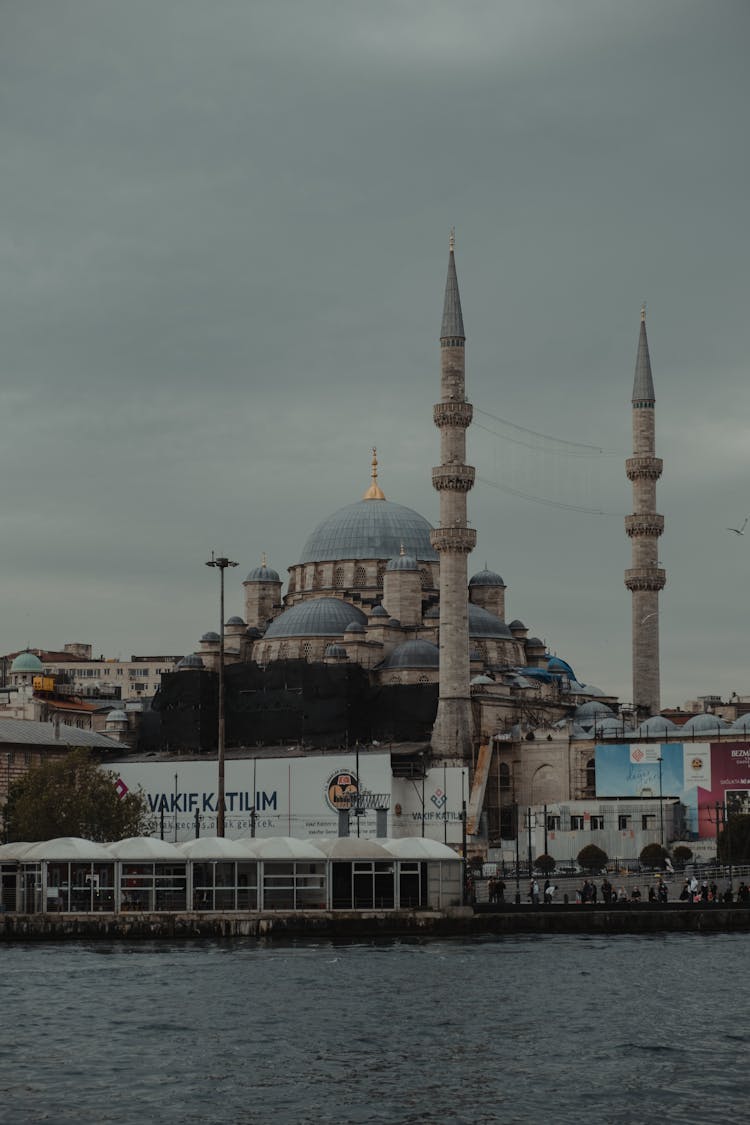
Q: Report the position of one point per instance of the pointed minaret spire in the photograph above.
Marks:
(643, 384)
(453, 322)
(453, 539)
(645, 578)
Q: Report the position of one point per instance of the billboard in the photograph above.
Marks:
(701, 775)
(298, 796)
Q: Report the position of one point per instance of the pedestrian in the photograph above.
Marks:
(499, 891)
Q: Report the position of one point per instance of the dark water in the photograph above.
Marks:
(552, 1029)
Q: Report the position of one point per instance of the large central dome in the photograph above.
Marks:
(370, 529)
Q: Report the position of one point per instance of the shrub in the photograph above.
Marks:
(592, 858)
(546, 863)
(653, 855)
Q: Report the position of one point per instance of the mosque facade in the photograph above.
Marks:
(378, 589)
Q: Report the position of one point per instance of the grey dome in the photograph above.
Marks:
(656, 726)
(516, 624)
(706, 722)
(210, 638)
(403, 562)
(486, 578)
(235, 621)
(337, 652)
(192, 660)
(318, 617)
(534, 642)
(263, 574)
(253, 632)
(482, 623)
(393, 623)
(592, 710)
(379, 610)
(369, 529)
(354, 627)
(481, 680)
(413, 654)
(117, 717)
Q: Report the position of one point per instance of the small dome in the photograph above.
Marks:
(482, 623)
(591, 710)
(263, 574)
(535, 642)
(705, 722)
(486, 578)
(555, 664)
(393, 623)
(210, 638)
(235, 621)
(192, 660)
(336, 652)
(481, 680)
(517, 625)
(117, 717)
(379, 610)
(403, 562)
(253, 632)
(413, 654)
(26, 662)
(655, 727)
(589, 689)
(355, 627)
(316, 617)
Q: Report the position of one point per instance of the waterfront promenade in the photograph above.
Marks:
(483, 919)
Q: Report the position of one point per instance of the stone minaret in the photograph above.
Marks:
(453, 539)
(645, 578)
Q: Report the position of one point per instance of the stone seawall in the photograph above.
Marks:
(374, 925)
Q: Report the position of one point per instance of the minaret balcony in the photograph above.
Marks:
(452, 414)
(643, 467)
(645, 578)
(456, 540)
(647, 524)
(453, 478)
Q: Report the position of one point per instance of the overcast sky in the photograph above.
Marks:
(224, 232)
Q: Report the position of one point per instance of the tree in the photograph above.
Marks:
(734, 840)
(682, 854)
(592, 858)
(653, 855)
(72, 796)
(546, 863)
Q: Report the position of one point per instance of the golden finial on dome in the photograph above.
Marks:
(643, 311)
(452, 240)
(374, 492)
(264, 559)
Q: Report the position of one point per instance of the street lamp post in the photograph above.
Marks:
(661, 807)
(222, 563)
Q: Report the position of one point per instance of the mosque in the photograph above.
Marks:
(381, 599)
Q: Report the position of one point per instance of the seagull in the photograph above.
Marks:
(739, 530)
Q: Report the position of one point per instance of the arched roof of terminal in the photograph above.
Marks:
(145, 848)
(351, 847)
(71, 848)
(217, 847)
(284, 847)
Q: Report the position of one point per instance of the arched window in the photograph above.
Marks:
(381, 572)
(318, 578)
(360, 576)
(591, 775)
(282, 650)
(306, 650)
(424, 577)
(423, 679)
(338, 577)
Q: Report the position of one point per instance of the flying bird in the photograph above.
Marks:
(739, 530)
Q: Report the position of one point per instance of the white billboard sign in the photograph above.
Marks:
(298, 797)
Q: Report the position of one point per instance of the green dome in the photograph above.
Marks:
(26, 662)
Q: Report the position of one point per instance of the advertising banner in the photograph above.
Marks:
(298, 797)
(701, 775)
